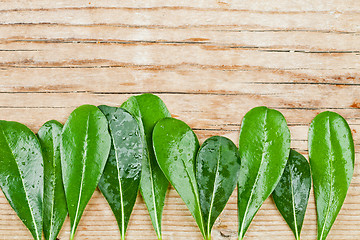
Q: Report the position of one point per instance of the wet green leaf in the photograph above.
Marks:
(148, 109)
(331, 155)
(54, 203)
(264, 148)
(216, 170)
(176, 146)
(85, 146)
(21, 173)
(121, 178)
(291, 195)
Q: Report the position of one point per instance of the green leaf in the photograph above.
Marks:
(176, 146)
(121, 178)
(148, 109)
(332, 156)
(54, 203)
(216, 170)
(85, 146)
(291, 195)
(21, 173)
(264, 148)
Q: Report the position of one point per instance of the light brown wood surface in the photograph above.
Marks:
(210, 61)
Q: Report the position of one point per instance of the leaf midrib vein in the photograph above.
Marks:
(331, 180)
(257, 176)
(214, 189)
(82, 175)
(120, 189)
(53, 191)
(196, 198)
(293, 204)
(158, 233)
(153, 195)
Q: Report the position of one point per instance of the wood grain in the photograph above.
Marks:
(210, 61)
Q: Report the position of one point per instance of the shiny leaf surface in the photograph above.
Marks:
(291, 195)
(54, 203)
(332, 155)
(216, 170)
(264, 148)
(148, 109)
(176, 146)
(121, 178)
(21, 173)
(85, 146)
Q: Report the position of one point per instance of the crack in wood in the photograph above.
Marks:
(177, 8)
(20, 50)
(250, 28)
(176, 43)
(129, 93)
(305, 83)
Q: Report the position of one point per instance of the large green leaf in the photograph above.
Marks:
(291, 195)
(121, 178)
(216, 170)
(176, 146)
(85, 146)
(331, 154)
(54, 203)
(148, 109)
(21, 173)
(264, 148)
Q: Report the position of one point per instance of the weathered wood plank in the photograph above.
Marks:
(311, 42)
(183, 17)
(182, 77)
(52, 55)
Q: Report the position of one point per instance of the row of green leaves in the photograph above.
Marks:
(139, 146)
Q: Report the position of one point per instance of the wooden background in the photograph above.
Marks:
(210, 61)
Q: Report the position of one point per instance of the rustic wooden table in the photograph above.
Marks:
(210, 61)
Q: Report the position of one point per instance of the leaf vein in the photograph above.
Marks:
(331, 180)
(214, 190)
(257, 177)
(82, 177)
(53, 191)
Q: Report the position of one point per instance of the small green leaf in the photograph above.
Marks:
(54, 203)
(291, 195)
(332, 156)
(21, 173)
(176, 146)
(264, 148)
(217, 167)
(85, 146)
(148, 109)
(121, 178)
